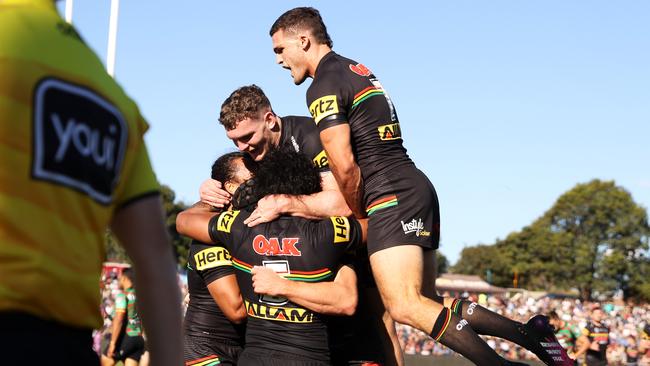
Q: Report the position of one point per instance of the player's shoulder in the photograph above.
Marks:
(297, 123)
(231, 221)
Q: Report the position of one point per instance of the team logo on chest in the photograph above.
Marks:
(275, 246)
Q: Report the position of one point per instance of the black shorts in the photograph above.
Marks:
(262, 357)
(26, 339)
(199, 350)
(129, 347)
(403, 210)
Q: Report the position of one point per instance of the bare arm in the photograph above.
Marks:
(336, 141)
(140, 228)
(338, 297)
(328, 202)
(116, 327)
(583, 345)
(194, 222)
(226, 294)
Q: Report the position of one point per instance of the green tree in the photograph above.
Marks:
(607, 233)
(442, 263)
(180, 243)
(594, 238)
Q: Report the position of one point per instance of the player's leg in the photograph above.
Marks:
(398, 272)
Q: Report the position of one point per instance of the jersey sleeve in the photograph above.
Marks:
(211, 262)
(313, 148)
(343, 231)
(329, 101)
(139, 180)
(120, 302)
(222, 227)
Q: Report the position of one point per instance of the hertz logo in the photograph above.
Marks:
(278, 313)
(224, 223)
(341, 229)
(323, 107)
(390, 132)
(211, 258)
(320, 161)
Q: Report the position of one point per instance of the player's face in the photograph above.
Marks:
(597, 315)
(555, 323)
(252, 136)
(242, 174)
(290, 55)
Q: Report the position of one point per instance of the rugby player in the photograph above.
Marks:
(127, 343)
(286, 324)
(594, 340)
(254, 128)
(73, 162)
(214, 329)
(362, 137)
(567, 334)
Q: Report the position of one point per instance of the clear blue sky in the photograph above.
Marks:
(504, 104)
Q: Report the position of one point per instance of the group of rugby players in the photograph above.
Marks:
(320, 233)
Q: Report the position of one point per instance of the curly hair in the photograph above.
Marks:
(245, 102)
(285, 171)
(303, 18)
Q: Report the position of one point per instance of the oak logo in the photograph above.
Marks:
(323, 107)
(277, 313)
(79, 139)
(224, 223)
(341, 229)
(212, 257)
(390, 132)
(320, 161)
(275, 246)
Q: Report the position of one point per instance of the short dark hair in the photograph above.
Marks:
(223, 168)
(129, 273)
(553, 315)
(245, 102)
(303, 18)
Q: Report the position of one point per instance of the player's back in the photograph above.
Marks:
(71, 152)
(299, 249)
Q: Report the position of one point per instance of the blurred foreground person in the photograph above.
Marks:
(72, 163)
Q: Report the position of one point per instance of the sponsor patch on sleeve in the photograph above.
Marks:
(390, 132)
(212, 257)
(341, 229)
(323, 107)
(320, 161)
(224, 223)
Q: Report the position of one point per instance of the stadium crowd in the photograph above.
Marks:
(624, 320)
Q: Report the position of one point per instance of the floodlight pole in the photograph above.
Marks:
(112, 37)
(68, 11)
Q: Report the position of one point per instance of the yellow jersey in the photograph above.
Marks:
(71, 153)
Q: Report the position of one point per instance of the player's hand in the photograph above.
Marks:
(212, 193)
(268, 209)
(267, 282)
(111, 350)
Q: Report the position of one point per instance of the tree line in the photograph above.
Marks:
(594, 239)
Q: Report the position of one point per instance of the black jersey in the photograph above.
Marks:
(300, 249)
(301, 134)
(345, 91)
(207, 263)
(599, 334)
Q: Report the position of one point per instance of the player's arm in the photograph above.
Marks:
(582, 344)
(194, 222)
(118, 321)
(326, 203)
(338, 297)
(336, 141)
(226, 294)
(140, 228)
